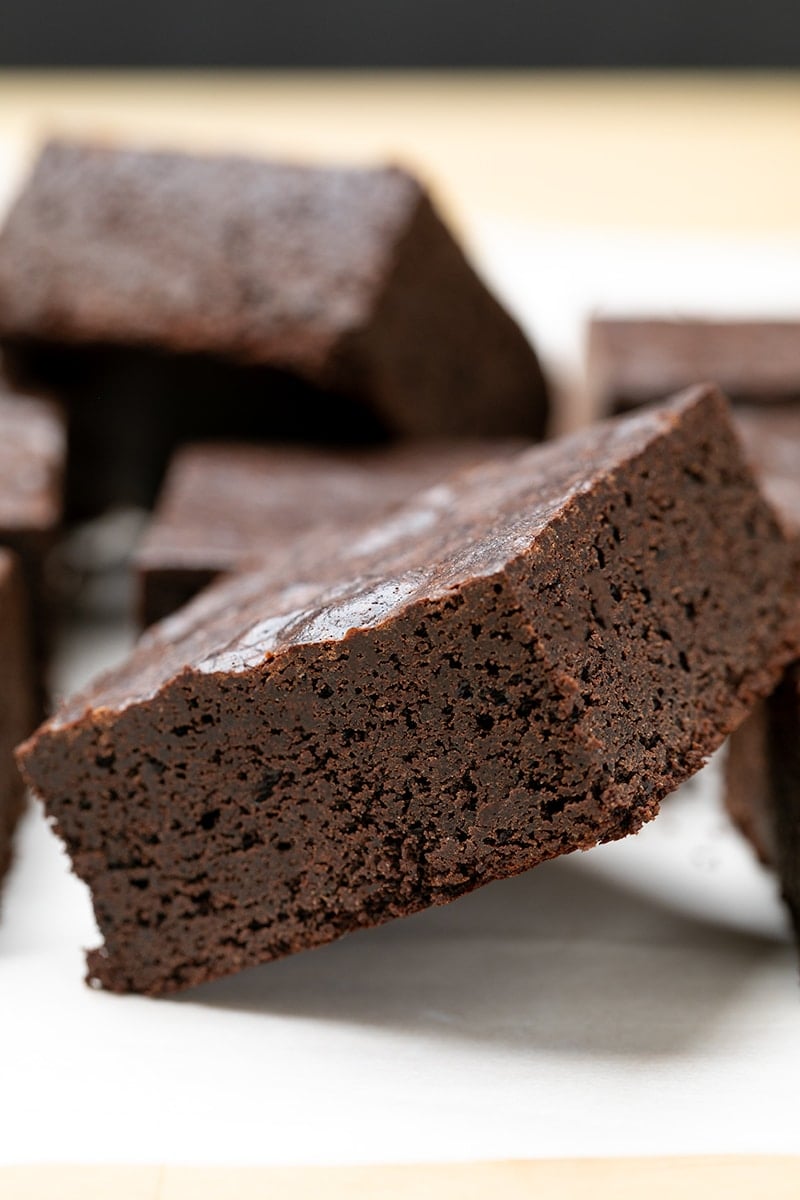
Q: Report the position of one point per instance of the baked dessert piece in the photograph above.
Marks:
(168, 298)
(516, 664)
(631, 362)
(222, 505)
(17, 715)
(762, 765)
(32, 453)
(762, 783)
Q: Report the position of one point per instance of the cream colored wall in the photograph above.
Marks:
(666, 151)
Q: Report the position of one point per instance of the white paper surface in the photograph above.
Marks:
(641, 998)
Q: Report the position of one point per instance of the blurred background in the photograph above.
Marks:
(400, 33)
(683, 114)
(536, 124)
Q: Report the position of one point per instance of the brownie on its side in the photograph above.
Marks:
(17, 712)
(516, 664)
(762, 766)
(32, 453)
(223, 505)
(168, 298)
(635, 361)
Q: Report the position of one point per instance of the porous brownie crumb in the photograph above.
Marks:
(519, 663)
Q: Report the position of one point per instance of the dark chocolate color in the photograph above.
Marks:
(17, 713)
(170, 298)
(518, 663)
(762, 766)
(771, 439)
(222, 505)
(32, 454)
(635, 361)
(762, 784)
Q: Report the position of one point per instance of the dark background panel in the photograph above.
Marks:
(399, 33)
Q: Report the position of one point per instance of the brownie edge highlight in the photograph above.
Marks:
(522, 665)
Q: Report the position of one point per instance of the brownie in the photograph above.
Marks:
(17, 709)
(762, 784)
(223, 505)
(168, 297)
(518, 663)
(32, 453)
(762, 765)
(632, 362)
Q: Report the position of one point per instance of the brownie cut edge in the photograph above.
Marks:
(518, 664)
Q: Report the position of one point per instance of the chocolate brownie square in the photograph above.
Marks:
(634, 361)
(168, 298)
(223, 505)
(516, 664)
(17, 715)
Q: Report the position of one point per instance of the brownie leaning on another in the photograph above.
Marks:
(518, 663)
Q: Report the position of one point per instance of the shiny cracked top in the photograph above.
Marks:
(322, 589)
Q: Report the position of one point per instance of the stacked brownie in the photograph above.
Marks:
(165, 298)
(518, 663)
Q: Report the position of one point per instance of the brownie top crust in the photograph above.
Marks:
(634, 361)
(32, 451)
(262, 262)
(463, 529)
(222, 503)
